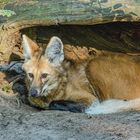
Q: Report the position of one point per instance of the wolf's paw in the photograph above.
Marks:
(67, 106)
(38, 102)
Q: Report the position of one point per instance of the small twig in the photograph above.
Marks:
(13, 65)
(18, 102)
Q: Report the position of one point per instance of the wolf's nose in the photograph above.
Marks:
(33, 92)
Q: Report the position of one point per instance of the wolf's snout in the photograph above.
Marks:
(33, 92)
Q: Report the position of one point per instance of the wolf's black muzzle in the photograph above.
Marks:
(33, 92)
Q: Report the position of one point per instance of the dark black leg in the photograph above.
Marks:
(67, 106)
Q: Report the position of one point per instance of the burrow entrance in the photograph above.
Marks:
(115, 37)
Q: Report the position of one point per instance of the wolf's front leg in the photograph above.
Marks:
(38, 102)
(65, 105)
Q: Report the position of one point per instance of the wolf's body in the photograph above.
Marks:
(104, 84)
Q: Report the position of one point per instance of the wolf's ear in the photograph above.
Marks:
(54, 51)
(30, 48)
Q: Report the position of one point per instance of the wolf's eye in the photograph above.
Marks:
(31, 75)
(44, 75)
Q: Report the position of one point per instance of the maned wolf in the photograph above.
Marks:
(104, 84)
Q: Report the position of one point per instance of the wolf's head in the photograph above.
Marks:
(43, 68)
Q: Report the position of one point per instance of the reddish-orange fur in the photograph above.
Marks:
(107, 76)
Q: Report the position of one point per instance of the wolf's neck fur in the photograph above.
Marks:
(73, 84)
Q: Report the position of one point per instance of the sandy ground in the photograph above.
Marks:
(26, 123)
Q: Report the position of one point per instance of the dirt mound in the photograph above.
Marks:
(21, 122)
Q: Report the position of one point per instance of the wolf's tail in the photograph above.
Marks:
(113, 106)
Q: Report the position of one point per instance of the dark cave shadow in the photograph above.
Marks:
(115, 37)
